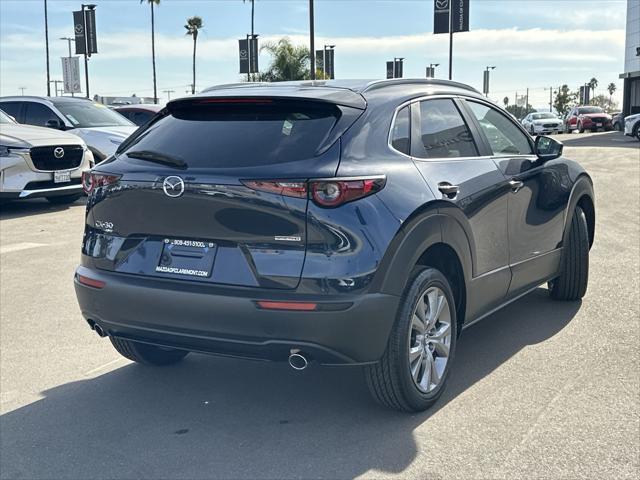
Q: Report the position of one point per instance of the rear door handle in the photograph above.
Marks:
(448, 190)
(516, 185)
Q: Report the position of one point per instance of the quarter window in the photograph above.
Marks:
(12, 108)
(443, 133)
(504, 136)
(400, 133)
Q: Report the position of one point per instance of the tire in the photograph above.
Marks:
(391, 381)
(147, 354)
(64, 199)
(572, 282)
(567, 128)
(580, 128)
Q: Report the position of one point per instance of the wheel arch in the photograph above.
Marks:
(582, 195)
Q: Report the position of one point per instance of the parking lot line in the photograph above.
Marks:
(16, 247)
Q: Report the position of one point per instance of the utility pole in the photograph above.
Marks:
(56, 82)
(46, 41)
(526, 104)
(168, 92)
(550, 99)
(312, 43)
(450, 41)
(22, 89)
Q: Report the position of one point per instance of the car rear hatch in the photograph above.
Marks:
(179, 199)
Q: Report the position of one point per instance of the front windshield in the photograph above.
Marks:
(4, 118)
(89, 114)
(541, 116)
(583, 110)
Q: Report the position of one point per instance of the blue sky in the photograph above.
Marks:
(535, 44)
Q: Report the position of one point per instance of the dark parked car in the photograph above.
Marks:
(346, 223)
(587, 118)
(140, 113)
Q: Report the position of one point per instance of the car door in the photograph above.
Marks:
(537, 200)
(472, 190)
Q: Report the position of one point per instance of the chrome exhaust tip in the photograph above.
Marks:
(98, 329)
(298, 361)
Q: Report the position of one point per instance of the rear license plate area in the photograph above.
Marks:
(186, 258)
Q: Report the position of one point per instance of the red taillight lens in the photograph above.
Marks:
(91, 181)
(325, 193)
(91, 282)
(299, 306)
(333, 193)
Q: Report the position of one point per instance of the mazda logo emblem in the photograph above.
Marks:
(58, 152)
(442, 4)
(173, 186)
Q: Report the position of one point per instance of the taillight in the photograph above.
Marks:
(329, 193)
(91, 180)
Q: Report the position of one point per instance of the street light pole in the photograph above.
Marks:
(86, 44)
(324, 60)
(312, 45)
(485, 86)
(46, 41)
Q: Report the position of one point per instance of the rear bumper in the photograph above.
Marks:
(228, 322)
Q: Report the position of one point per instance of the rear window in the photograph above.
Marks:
(240, 135)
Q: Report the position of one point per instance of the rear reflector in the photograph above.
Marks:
(300, 306)
(91, 282)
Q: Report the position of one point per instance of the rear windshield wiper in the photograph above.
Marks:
(157, 157)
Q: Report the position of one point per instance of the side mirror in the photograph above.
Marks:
(57, 124)
(547, 148)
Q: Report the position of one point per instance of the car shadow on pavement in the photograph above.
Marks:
(36, 206)
(222, 418)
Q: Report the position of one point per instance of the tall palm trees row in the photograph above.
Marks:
(193, 25)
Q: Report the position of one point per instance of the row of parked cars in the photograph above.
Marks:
(47, 142)
(581, 118)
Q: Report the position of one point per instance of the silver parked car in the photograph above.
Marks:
(101, 128)
(542, 123)
(632, 125)
(41, 162)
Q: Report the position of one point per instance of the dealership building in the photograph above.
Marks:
(631, 75)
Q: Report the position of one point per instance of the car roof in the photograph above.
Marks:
(353, 93)
(54, 100)
(138, 106)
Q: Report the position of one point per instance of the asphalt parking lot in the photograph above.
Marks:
(539, 390)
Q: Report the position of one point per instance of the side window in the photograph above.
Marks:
(400, 131)
(38, 114)
(504, 137)
(140, 118)
(443, 133)
(12, 108)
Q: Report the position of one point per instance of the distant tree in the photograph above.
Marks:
(611, 88)
(593, 83)
(604, 102)
(288, 62)
(153, 47)
(193, 25)
(564, 100)
(505, 100)
(519, 111)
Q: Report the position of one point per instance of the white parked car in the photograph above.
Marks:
(632, 125)
(41, 162)
(542, 123)
(102, 129)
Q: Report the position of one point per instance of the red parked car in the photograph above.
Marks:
(587, 118)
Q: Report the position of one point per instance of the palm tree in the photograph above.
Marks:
(611, 88)
(193, 25)
(153, 47)
(289, 62)
(593, 83)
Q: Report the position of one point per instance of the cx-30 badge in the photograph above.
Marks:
(173, 186)
(58, 152)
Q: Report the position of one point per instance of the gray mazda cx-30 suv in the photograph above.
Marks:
(340, 222)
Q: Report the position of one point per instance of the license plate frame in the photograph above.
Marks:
(62, 176)
(186, 258)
